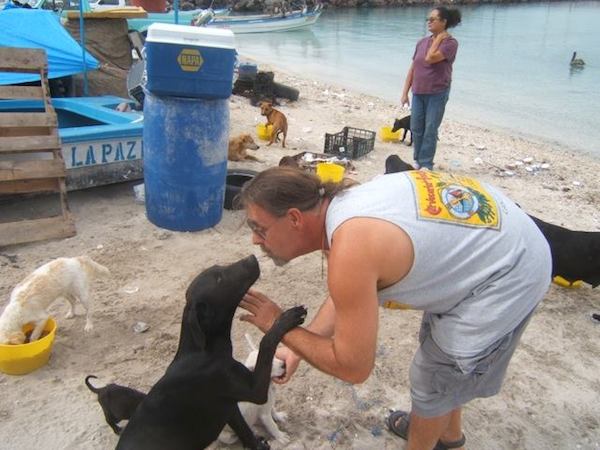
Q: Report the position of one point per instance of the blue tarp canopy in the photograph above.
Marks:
(36, 28)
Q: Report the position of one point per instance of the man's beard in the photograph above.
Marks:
(279, 262)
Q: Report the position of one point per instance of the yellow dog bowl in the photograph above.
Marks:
(387, 136)
(566, 283)
(24, 358)
(264, 131)
(330, 172)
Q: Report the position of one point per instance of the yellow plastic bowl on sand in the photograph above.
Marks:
(387, 136)
(566, 283)
(24, 358)
(264, 131)
(330, 172)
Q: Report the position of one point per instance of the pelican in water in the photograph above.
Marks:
(577, 61)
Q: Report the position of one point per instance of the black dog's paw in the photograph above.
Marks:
(290, 318)
(262, 444)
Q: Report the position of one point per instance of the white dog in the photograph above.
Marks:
(67, 278)
(266, 415)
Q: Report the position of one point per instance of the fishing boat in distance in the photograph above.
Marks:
(262, 23)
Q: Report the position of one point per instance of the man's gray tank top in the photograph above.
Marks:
(481, 264)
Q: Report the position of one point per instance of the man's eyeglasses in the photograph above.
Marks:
(259, 230)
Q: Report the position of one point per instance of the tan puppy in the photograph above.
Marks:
(275, 118)
(67, 278)
(238, 146)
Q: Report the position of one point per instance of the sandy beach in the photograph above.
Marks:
(550, 397)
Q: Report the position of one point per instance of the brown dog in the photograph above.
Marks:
(238, 146)
(275, 118)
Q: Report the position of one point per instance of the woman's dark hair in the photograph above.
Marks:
(280, 188)
(452, 16)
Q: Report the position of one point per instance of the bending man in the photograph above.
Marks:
(454, 247)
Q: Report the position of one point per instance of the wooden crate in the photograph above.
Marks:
(30, 156)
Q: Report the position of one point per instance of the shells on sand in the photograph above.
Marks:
(528, 164)
(141, 327)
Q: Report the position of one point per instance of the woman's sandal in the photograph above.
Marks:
(398, 422)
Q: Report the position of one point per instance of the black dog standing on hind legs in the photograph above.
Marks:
(200, 390)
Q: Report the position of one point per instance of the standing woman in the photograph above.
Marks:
(430, 76)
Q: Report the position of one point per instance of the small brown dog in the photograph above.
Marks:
(238, 146)
(275, 118)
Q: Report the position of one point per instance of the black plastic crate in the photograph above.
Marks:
(350, 142)
(137, 93)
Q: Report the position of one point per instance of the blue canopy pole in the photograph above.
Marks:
(176, 8)
(82, 37)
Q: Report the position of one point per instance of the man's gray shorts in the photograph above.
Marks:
(438, 385)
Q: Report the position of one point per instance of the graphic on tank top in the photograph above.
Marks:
(445, 197)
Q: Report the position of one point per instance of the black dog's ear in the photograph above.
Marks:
(197, 321)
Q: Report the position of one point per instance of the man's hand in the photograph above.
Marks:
(263, 311)
(291, 364)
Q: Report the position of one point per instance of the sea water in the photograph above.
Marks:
(512, 70)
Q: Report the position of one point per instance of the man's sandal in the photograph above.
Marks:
(398, 422)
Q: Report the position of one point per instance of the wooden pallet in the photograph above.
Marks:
(30, 156)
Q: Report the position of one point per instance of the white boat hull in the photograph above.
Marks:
(266, 24)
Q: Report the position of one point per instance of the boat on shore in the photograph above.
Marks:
(99, 144)
(101, 137)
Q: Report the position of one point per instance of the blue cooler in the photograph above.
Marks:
(184, 61)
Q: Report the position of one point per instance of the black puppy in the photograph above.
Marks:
(189, 406)
(117, 402)
(575, 254)
(405, 124)
(394, 163)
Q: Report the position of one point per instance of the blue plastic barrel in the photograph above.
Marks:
(185, 161)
